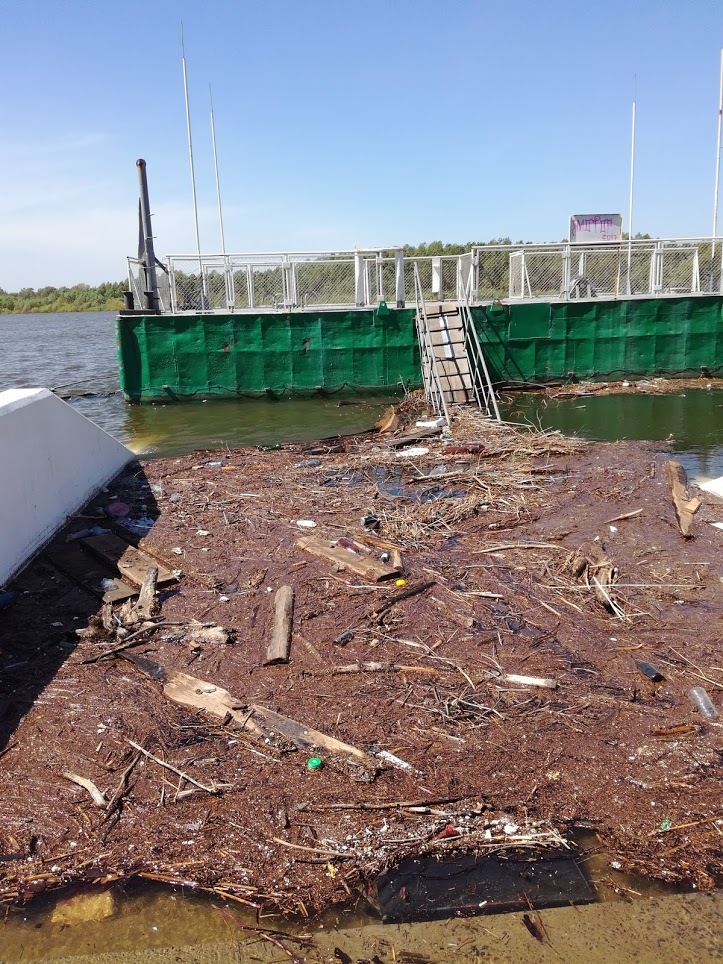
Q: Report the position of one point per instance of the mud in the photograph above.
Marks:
(507, 766)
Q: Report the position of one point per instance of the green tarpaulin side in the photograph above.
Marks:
(238, 354)
(538, 341)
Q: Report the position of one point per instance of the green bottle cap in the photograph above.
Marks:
(315, 763)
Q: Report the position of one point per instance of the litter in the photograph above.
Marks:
(306, 523)
(413, 453)
(119, 509)
(702, 702)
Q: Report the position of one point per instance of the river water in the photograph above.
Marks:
(77, 352)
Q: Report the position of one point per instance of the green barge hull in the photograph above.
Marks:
(183, 356)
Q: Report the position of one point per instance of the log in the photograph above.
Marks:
(279, 648)
(370, 569)
(685, 508)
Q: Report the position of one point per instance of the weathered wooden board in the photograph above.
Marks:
(187, 690)
(130, 562)
(89, 573)
(366, 566)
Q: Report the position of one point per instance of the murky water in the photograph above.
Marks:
(691, 422)
(138, 915)
(77, 351)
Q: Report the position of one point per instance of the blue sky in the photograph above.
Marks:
(346, 124)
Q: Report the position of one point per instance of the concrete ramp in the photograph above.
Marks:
(52, 461)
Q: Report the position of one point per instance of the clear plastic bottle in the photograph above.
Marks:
(700, 699)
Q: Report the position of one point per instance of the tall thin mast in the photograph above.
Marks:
(717, 174)
(632, 184)
(717, 153)
(190, 148)
(215, 166)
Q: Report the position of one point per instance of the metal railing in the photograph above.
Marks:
(639, 268)
(481, 381)
(302, 281)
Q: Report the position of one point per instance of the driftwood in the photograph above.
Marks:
(389, 422)
(130, 562)
(400, 596)
(419, 436)
(280, 645)
(179, 773)
(98, 798)
(122, 788)
(685, 508)
(187, 690)
(590, 563)
(145, 606)
(370, 569)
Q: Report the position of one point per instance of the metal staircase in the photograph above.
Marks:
(453, 366)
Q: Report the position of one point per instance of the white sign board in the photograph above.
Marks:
(596, 228)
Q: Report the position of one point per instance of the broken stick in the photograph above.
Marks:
(179, 773)
(98, 798)
(280, 646)
(400, 596)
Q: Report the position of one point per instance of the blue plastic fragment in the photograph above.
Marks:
(6, 598)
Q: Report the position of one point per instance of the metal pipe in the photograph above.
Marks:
(150, 255)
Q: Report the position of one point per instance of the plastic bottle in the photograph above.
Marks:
(700, 699)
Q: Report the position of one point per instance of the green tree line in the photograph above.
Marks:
(102, 297)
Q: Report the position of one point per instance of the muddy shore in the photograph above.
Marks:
(493, 527)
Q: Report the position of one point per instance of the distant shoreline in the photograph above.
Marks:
(114, 305)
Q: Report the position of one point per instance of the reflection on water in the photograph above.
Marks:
(141, 915)
(175, 428)
(77, 351)
(692, 422)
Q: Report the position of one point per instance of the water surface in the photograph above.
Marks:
(690, 422)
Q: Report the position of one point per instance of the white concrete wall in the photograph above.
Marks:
(52, 460)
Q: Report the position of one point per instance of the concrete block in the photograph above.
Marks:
(52, 461)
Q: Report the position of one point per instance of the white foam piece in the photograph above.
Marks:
(714, 486)
(53, 461)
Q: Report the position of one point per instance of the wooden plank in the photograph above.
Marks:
(685, 509)
(87, 572)
(130, 562)
(280, 645)
(418, 436)
(189, 691)
(369, 568)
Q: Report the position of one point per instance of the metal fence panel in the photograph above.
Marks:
(306, 280)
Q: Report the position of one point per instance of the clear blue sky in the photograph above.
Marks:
(344, 124)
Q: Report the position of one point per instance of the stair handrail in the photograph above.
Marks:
(430, 371)
(472, 340)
